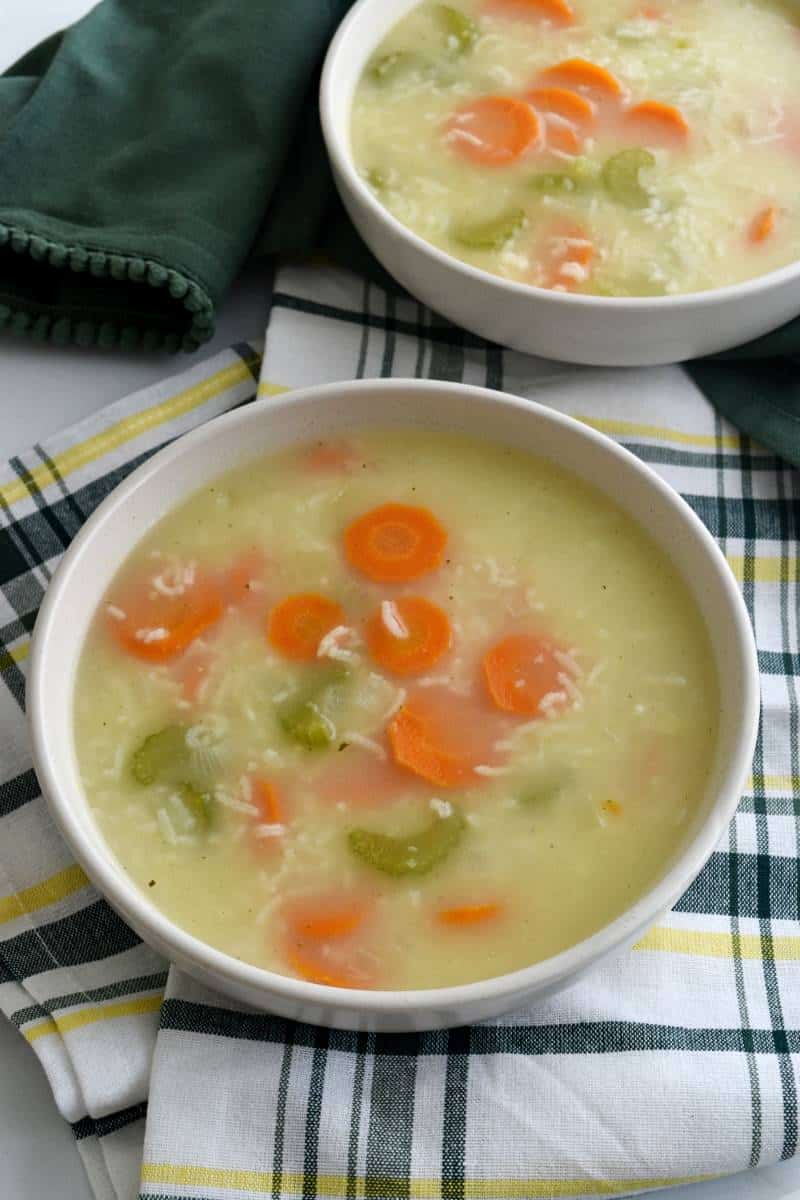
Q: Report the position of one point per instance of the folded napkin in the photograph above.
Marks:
(675, 1062)
(145, 151)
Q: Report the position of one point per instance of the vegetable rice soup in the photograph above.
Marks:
(398, 710)
(611, 147)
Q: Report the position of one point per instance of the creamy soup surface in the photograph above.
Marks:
(612, 147)
(397, 711)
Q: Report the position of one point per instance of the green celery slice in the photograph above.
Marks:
(413, 855)
(457, 26)
(621, 177)
(309, 718)
(492, 234)
(580, 176)
(166, 757)
(390, 67)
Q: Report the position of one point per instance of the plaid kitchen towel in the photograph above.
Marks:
(677, 1061)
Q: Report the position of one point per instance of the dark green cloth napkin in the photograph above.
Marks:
(146, 151)
(142, 153)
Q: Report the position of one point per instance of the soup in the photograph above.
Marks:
(396, 711)
(610, 147)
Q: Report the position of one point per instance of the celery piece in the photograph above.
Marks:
(412, 855)
(166, 757)
(308, 717)
(376, 178)
(492, 234)
(390, 67)
(621, 177)
(460, 30)
(543, 787)
(579, 176)
(199, 804)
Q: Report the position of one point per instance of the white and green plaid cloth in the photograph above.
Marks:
(678, 1061)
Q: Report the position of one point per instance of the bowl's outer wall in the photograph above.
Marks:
(175, 472)
(579, 329)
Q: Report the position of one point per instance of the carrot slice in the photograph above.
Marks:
(584, 76)
(558, 11)
(267, 800)
(298, 624)
(395, 543)
(563, 137)
(157, 627)
(521, 671)
(357, 778)
(762, 224)
(328, 458)
(324, 918)
(567, 254)
(318, 971)
(408, 635)
(653, 121)
(564, 102)
(493, 131)
(443, 736)
(468, 915)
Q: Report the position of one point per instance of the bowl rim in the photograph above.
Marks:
(133, 905)
(340, 154)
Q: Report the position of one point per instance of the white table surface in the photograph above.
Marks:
(41, 390)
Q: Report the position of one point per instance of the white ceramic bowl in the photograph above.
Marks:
(574, 328)
(175, 472)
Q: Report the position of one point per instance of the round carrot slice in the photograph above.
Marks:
(564, 102)
(267, 800)
(583, 76)
(408, 635)
(493, 131)
(560, 12)
(762, 225)
(317, 969)
(468, 915)
(562, 137)
(161, 616)
(443, 736)
(327, 917)
(395, 543)
(522, 675)
(654, 122)
(328, 458)
(298, 624)
(566, 253)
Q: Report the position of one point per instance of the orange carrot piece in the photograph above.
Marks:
(559, 12)
(158, 627)
(415, 636)
(520, 671)
(395, 543)
(356, 778)
(584, 76)
(656, 122)
(493, 131)
(567, 254)
(563, 138)
(325, 918)
(428, 739)
(297, 625)
(317, 971)
(468, 915)
(267, 800)
(564, 102)
(762, 225)
(328, 458)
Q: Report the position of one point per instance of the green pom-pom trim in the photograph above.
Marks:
(24, 315)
